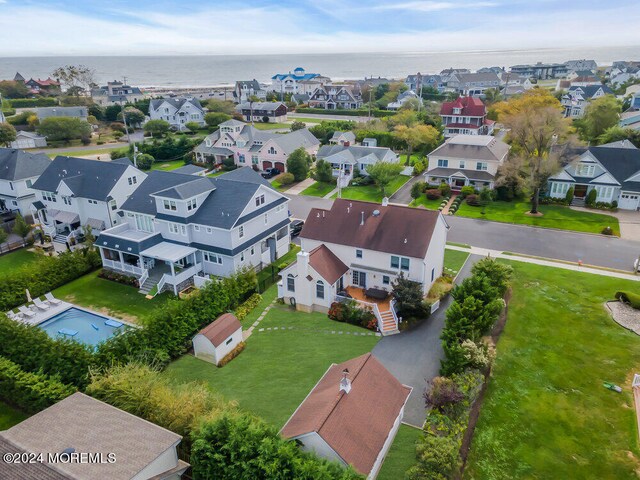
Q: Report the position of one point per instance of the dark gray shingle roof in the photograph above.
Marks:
(621, 163)
(18, 164)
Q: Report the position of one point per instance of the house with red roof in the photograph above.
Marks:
(466, 115)
(39, 86)
(352, 415)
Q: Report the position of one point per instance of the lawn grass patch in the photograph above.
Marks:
(318, 189)
(546, 413)
(272, 126)
(372, 193)
(9, 416)
(270, 272)
(167, 166)
(83, 153)
(268, 296)
(402, 454)
(554, 216)
(306, 119)
(453, 261)
(9, 262)
(278, 368)
(423, 201)
(110, 298)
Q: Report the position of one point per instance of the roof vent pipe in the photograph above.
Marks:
(361, 218)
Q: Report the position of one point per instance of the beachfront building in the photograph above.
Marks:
(467, 160)
(178, 227)
(244, 89)
(19, 170)
(335, 97)
(577, 65)
(116, 93)
(612, 170)
(39, 87)
(177, 111)
(265, 112)
(73, 193)
(465, 115)
(472, 84)
(575, 101)
(248, 146)
(352, 415)
(418, 81)
(541, 71)
(285, 83)
(358, 249)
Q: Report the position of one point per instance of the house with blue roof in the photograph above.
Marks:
(178, 230)
(289, 82)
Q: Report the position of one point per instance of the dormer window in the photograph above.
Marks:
(132, 180)
(192, 204)
(272, 151)
(585, 170)
(170, 205)
(457, 111)
(241, 231)
(260, 200)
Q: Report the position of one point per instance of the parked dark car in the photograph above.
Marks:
(270, 172)
(296, 227)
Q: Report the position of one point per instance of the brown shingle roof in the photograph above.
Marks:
(398, 230)
(325, 262)
(221, 328)
(25, 471)
(355, 424)
(91, 426)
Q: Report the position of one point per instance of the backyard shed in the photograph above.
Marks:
(218, 338)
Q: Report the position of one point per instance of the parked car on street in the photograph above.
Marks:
(270, 172)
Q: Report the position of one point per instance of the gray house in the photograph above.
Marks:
(19, 170)
(177, 111)
(75, 112)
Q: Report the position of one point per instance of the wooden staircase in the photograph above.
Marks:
(389, 325)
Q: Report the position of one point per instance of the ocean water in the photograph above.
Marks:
(212, 70)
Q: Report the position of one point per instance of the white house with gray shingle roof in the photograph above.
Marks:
(75, 192)
(177, 111)
(18, 172)
(344, 159)
(249, 146)
(176, 227)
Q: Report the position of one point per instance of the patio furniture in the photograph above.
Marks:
(26, 312)
(40, 304)
(51, 299)
(68, 332)
(113, 323)
(14, 316)
(376, 293)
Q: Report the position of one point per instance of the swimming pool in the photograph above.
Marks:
(81, 325)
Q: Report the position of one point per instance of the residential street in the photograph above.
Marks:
(596, 250)
(413, 356)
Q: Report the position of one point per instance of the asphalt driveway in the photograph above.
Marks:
(413, 356)
(403, 195)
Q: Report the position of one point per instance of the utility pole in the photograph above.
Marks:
(370, 92)
(419, 90)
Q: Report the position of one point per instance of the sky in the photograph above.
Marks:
(161, 27)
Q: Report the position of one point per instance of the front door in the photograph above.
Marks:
(360, 278)
(458, 182)
(580, 191)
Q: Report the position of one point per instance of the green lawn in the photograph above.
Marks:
(546, 413)
(109, 298)
(167, 166)
(423, 201)
(82, 153)
(305, 119)
(454, 260)
(278, 368)
(16, 259)
(371, 193)
(272, 126)
(217, 174)
(318, 189)
(266, 274)
(402, 454)
(555, 216)
(9, 416)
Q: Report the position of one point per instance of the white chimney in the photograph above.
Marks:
(385, 201)
(303, 262)
(345, 383)
(361, 218)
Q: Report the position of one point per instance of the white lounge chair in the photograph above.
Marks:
(26, 312)
(51, 299)
(40, 304)
(14, 316)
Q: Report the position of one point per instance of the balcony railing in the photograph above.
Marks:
(123, 267)
(185, 274)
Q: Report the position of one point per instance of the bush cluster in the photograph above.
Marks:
(252, 302)
(349, 312)
(33, 102)
(478, 302)
(433, 194)
(232, 354)
(118, 277)
(45, 275)
(31, 392)
(286, 178)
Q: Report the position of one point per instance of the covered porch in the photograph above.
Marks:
(458, 179)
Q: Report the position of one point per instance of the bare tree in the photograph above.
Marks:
(77, 78)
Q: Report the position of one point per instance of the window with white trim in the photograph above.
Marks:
(358, 253)
(482, 166)
(272, 151)
(266, 218)
(196, 228)
(66, 200)
(113, 205)
(291, 283)
(212, 258)
(443, 163)
(260, 200)
(192, 204)
(170, 205)
(144, 223)
(132, 180)
(319, 289)
(585, 170)
(49, 196)
(241, 231)
(386, 280)
(461, 164)
(209, 230)
(174, 228)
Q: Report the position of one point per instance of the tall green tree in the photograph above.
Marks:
(213, 119)
(7, 134)
(252, 99)
(601, 113)
(11, 89)
(299, 163)
(617, 133)
(157, 128)
(64, 128)
(417, 137)
(221, 106)
(133, 116)
(324, 172)
(21, 227)
(383, 173)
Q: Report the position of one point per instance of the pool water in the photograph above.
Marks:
(76, 319)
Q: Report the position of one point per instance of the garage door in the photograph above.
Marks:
(266, 165)
(280, 166)
(24, 143)
(628, 201)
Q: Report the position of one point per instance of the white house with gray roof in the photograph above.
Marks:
(74, 112)
(18, 172)
(75, 192)
(467, 160)
(247, 88)
(177, 227)
(248, 146)
(177, 111)
(344, 159)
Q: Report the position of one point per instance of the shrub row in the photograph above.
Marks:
(33, 102)
(349, 312)
(44, 275)
(31, 392)
(118, 277)
(252, 302)
(478, 302)
(232, 354)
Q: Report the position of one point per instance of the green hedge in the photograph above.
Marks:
(33, 102)
(44, 275)
(243, 310)
(31, 392)
(353, 113)
(631, 298)
(35, 351)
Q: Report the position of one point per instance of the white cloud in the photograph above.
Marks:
(435, 6)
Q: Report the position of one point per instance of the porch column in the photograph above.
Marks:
(121, 260)
(173, 274)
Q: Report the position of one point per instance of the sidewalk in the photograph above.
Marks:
(546, 263)
(297, 189)
(628, 219)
